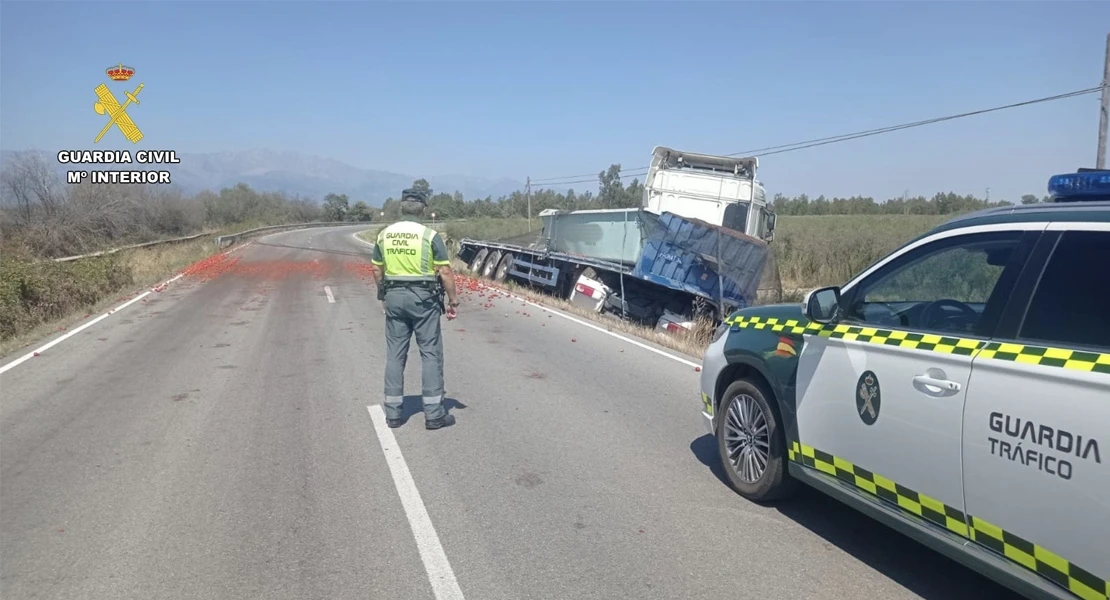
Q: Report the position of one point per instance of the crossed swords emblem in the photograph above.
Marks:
(117, 115)
(867, 396)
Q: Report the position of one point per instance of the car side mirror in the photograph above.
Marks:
(771, 221)
(822, 305)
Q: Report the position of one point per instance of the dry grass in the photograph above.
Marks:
(813, 251)
(39, 298)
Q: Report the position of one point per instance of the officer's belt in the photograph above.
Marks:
(425, 281)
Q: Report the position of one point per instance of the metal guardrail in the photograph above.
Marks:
(221, 240)
(131, 247)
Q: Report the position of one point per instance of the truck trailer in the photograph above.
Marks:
(694, 250)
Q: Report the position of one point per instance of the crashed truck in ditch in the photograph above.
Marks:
(697, 248)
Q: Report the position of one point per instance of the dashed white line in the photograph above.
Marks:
(327, 291)
(440, 575)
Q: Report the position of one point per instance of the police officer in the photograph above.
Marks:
(407, 256)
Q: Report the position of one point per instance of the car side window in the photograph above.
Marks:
(1071, 306)
(943, 287)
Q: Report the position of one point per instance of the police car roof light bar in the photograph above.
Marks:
(1087, 184)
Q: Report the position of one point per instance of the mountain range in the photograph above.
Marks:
(302, 174)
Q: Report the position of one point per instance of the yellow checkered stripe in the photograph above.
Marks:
(1075, 360)
(923, 506)
(1035, 355)
(1078, 581)
(708, 402)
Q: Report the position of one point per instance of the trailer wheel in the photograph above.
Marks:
(502, 271)
(491, 264)
(476, 264)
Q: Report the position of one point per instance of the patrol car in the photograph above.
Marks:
(957, 390)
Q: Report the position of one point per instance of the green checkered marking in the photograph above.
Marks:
(1079, 581)
(1046, 356)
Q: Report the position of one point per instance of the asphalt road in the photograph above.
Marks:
(213, 440)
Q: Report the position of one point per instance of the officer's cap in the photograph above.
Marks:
(414, 194)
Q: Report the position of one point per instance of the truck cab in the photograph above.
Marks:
(719, 190)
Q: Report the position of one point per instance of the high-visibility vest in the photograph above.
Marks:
(406, 248)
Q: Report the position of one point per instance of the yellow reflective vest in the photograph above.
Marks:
(406, 252)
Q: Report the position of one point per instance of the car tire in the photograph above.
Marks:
(761, 433)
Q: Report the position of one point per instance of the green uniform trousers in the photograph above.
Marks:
(413, 310)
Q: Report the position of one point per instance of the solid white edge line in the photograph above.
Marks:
(327, 292)
(596, 328)
(436, 565)
(358, 239)
(54, 342)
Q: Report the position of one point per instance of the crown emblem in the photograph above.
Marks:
(120, 72)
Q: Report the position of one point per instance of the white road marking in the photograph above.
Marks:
(327, 290)
(54, 342)
(596, 328)
(440, 575)
(358, 239)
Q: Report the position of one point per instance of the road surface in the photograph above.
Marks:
(223, 439)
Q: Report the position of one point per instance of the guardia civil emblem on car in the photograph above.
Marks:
(868, 398)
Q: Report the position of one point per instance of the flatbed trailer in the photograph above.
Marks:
(686, 270)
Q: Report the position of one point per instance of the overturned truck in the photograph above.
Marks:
(696, 249)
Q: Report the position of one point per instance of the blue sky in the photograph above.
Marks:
(550, 89)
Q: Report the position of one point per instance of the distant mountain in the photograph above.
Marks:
(303, 174)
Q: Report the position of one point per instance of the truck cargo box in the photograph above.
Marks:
(688, 254)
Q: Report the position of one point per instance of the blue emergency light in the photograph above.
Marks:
(1086, 185)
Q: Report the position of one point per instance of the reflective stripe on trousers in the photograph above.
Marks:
(413, 311)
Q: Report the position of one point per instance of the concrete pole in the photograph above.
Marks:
(1104, 112)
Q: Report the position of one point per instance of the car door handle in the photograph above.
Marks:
(943, 384)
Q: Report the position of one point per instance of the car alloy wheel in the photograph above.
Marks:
(747, 438)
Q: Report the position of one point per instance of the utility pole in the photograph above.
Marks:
(528, 192)
(1104, 113)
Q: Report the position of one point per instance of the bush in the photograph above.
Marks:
(36, 292)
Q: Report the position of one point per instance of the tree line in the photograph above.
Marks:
(612, 193)
(49, 218)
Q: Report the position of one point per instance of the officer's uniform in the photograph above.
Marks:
(408, 254)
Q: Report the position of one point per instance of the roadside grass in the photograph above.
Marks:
(814, 251)
(38, 298)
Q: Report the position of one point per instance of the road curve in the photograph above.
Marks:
(213, 440)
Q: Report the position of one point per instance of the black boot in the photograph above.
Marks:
(444, 421)
(393, 423)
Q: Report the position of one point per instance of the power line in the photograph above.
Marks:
(590, 177)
